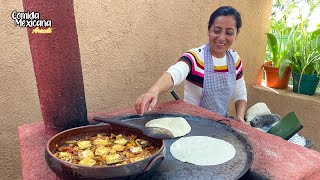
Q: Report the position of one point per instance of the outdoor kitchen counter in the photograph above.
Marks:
(274, 158)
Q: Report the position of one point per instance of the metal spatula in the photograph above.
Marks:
(154, 132)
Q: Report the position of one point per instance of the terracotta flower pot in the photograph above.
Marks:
(272, 76)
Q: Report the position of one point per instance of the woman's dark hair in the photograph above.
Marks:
(226, 11)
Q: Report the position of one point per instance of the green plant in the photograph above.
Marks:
(277, 47)
(294, 38)
(304, 52)
(278, 41)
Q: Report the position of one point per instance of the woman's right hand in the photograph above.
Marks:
(146, 101)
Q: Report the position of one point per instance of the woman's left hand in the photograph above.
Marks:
(240, 119)
(240, 106)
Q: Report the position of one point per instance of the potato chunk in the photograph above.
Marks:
(137, 158)
(114, 158)
(118, 147)
(121, 141)
(85, 153)
(84, 144)
(65, 156)
(101, 150)
(102, 142)
(136, 150)
(87, 162)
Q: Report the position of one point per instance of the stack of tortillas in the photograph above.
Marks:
(177, 125)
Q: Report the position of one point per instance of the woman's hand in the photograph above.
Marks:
(241, 120)
(146, 101)
(240, 106)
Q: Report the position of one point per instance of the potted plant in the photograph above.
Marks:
(304, 60)
(303, 57)
(277, 48)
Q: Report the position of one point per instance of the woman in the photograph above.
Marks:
(213, 73)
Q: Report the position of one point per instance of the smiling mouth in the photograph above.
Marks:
(220, 44)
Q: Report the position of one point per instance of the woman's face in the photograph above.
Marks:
(222, 34)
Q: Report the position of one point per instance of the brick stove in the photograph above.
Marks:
(274, 158)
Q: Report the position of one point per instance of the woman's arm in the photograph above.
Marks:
(149, 99)
(173, 76)
(240, 99)
(240, 107)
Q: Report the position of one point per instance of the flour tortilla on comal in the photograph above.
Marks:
(202, 150)
(177, 125)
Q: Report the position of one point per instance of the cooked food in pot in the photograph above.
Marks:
(105, 150)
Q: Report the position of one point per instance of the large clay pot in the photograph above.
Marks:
(66, 170)
(272, 76)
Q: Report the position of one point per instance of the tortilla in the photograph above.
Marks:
(177, 125)
(202, 150)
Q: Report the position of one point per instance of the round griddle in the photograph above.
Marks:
(171, 168)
